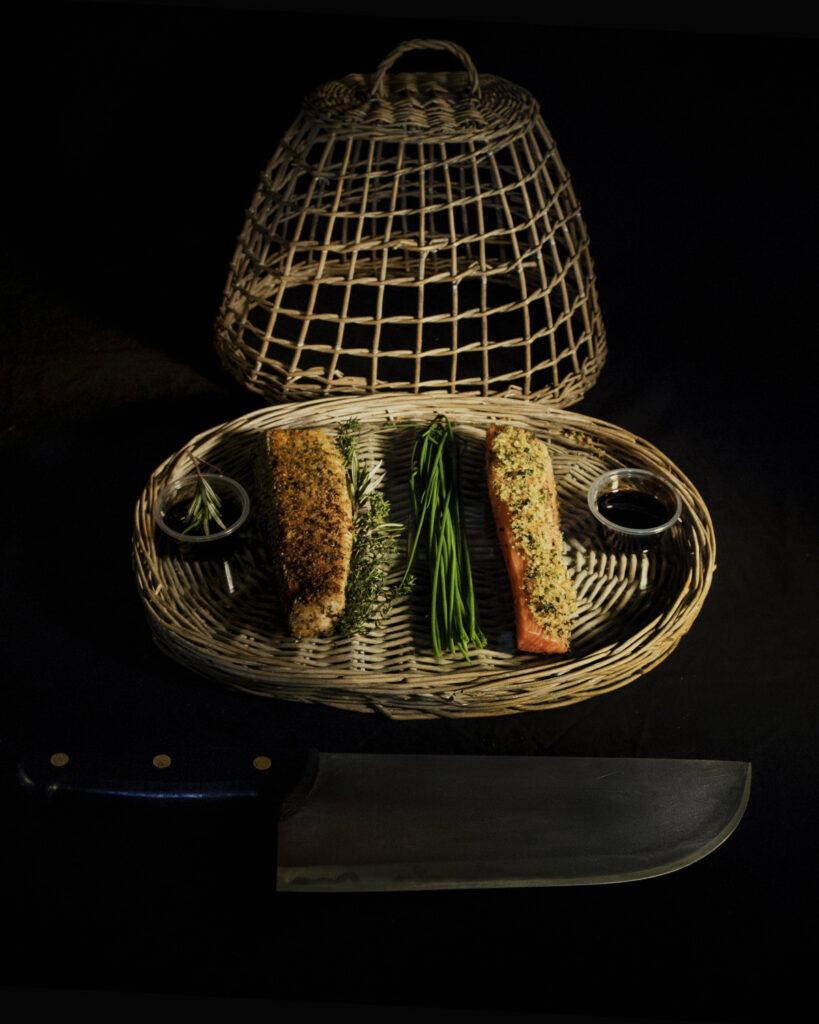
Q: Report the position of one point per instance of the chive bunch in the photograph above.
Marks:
(438, 514)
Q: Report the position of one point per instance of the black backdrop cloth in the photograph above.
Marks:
(142, 132)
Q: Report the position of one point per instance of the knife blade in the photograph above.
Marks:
(400, 822)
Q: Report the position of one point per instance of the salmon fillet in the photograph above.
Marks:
(302, 479)
(523, 497)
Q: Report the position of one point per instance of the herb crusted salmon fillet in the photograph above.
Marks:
(302, 477)
(523, 497)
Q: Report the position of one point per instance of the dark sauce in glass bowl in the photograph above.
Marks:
(216, 549)
(633, 510)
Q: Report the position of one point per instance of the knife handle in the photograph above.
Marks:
(207, 777)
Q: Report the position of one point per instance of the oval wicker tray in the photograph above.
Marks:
(633, 610)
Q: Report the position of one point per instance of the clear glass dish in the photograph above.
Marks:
(634, 503)
(172, 501)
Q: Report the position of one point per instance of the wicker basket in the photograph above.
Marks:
(632, 610)
(414, 232)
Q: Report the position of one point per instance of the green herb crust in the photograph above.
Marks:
(310, 525)
(523, 479)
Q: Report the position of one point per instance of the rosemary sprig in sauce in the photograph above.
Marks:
(204, 507)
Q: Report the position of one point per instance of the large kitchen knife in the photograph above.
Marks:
(367, 822)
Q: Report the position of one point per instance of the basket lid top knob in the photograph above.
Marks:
(379, 87)
(441, 105)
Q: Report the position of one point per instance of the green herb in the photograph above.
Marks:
(369, 596)
(361, 482)
(438, 513)
(204, 507)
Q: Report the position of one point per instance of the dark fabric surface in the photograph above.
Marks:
(142, 132)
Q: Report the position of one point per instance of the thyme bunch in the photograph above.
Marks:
(369, 595)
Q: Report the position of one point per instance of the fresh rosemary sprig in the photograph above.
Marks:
(361, 482)
(369, 596)
(204, 507)
(438, 513)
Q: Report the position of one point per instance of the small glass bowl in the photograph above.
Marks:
(182, 490)
(648, 504)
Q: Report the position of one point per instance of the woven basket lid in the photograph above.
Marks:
(448, 106)
(414, 232)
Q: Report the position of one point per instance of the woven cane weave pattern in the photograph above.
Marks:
(414, 232)
(633, 610)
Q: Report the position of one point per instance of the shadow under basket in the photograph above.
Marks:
(414, 232)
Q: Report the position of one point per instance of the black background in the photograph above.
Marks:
(135, 138)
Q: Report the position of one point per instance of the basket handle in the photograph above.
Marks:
(379, 84)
